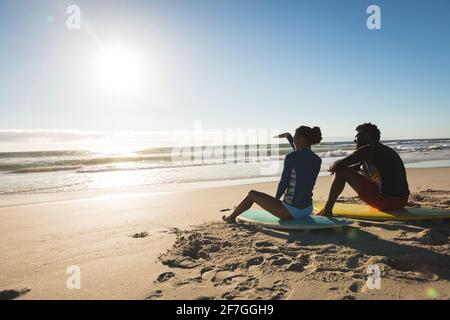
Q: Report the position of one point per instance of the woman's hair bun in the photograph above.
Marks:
(313, 135)
(316, 135)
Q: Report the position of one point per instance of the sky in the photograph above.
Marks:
(228, 64)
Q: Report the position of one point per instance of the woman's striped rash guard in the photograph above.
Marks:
(299, 176)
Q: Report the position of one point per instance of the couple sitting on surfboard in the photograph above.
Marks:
(375, 171)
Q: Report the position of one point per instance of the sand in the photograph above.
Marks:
(166, 243)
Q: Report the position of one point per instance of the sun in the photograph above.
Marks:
(117, 71)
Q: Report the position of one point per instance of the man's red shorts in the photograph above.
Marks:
(371, 195)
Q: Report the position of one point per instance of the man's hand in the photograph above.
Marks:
(332, 168)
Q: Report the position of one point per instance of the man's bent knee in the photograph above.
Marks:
(343, 173)
(252, 193)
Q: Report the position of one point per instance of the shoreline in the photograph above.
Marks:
(38, 242)
(20, 189)
(20, 199)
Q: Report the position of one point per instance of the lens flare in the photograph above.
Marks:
(432, 293)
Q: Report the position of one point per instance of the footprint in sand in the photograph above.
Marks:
(204, 298)
(273, 249)
(296, 267)
(379, 260)
(431, 237)
(254, 261)
(163, 277)
(290, 252)
(189, 281)
(232, 278)
(221, 277)
(139, 235)
(171, 231)
(275, 256)
(228, 296)
(264, 244)
(303, 258)
(333, 289)
(212, 248)
(183, 263)
(356, 286)
(353, 261)
(413, 267)
(280, 262)
(230, 266)
(299, 263)
(154, 295)
(248, 284)
(205, 270)
(275, 292)
(13, 294)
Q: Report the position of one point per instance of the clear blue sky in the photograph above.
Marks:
(230, 64)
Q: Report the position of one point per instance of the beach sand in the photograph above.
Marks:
(143, 244)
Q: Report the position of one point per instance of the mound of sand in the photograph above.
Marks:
(221, 261)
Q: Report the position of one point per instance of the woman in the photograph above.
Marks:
(301, 168)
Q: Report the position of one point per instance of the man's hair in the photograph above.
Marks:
(370, 128)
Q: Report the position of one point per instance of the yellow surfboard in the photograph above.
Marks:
(365, 212)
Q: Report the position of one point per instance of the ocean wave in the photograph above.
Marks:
(113, 169)
(42, 154)
(114, 159)
(31, 190)
(44, 169)
(158, 160)
(178, 165)
(335, 153)
(41, 165)
(172, 157)
(134, 167)
(434, 147)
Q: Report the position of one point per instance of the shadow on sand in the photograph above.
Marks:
(402, 257)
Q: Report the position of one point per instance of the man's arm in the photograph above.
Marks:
(360, 155)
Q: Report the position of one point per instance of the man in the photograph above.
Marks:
(374, 171)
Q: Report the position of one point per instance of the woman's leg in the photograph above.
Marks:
(353, 178)
(265, 201)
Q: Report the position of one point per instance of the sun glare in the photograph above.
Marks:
(118, 71)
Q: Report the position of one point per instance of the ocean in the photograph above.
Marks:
(74, 170)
